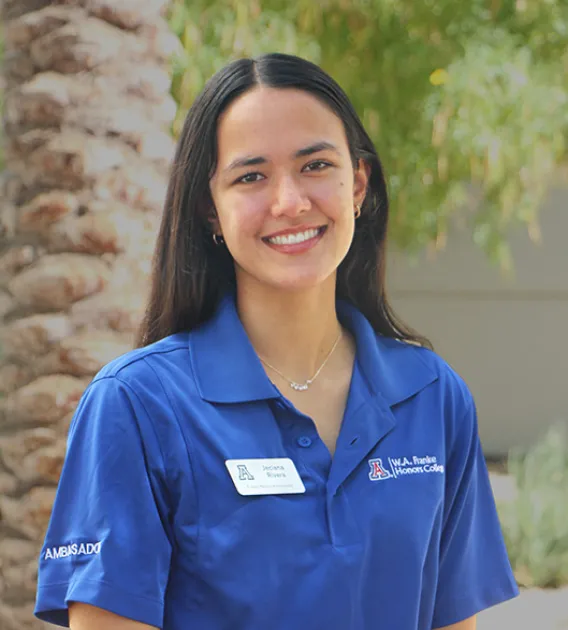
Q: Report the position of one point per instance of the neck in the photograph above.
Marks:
(293, 331)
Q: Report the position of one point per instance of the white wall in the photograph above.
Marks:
(508, 337)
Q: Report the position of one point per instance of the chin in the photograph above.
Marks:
(297, 281)
(286, 278)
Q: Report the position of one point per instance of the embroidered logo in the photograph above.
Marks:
(73, 549)
(400, 466)
(378, 471)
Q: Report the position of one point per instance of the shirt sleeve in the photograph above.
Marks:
(107, 542)
(474, 569)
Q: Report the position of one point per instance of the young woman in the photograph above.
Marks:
(280, 452)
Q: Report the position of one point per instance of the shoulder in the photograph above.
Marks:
(439, 397)
(134, 372)
(434, 391)
(132, 395)
(137, 360)
(140, 383)
(403, 371)
(426, 369)
(447, 375)
(142, 366)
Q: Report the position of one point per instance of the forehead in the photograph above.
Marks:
(265, 119)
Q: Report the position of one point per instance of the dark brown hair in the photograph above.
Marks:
(190, 273)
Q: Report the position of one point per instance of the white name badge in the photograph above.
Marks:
(265, 476)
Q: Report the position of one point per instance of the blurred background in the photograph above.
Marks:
(467, 103)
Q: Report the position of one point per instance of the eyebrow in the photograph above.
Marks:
(309, 150)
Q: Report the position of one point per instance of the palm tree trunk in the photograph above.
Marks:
(87, 146)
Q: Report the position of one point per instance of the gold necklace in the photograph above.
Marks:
(301, 387)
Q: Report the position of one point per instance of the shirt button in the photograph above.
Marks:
(304, 441)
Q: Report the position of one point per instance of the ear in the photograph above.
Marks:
(361, 177)
(213, 222)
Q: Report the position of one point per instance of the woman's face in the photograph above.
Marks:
(285, 189)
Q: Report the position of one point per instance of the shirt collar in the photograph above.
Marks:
(226, 366)
(228, 370)
(394, 370)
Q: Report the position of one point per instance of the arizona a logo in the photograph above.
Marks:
(378, 471)
(244, 473)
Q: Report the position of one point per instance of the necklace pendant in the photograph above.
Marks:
(299, 387)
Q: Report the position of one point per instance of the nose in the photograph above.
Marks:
(289, 198)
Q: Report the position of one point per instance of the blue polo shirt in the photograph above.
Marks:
(398, 531)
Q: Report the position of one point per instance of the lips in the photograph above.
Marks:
(289, 237)
(295, 237)
(295, 241)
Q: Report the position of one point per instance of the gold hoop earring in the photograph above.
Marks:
(357, 211)
(218, 239)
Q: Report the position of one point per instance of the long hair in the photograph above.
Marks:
(190, 274)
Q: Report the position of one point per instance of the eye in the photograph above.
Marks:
(317, 165)
(249, 178)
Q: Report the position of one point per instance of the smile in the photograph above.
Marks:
(298, 237)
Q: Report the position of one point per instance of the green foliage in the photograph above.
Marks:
(453, 94)
(535, 522)
(213, 33)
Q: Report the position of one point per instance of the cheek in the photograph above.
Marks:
(240, 216)
(334, 198)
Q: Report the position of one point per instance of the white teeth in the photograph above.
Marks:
(291, 239)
